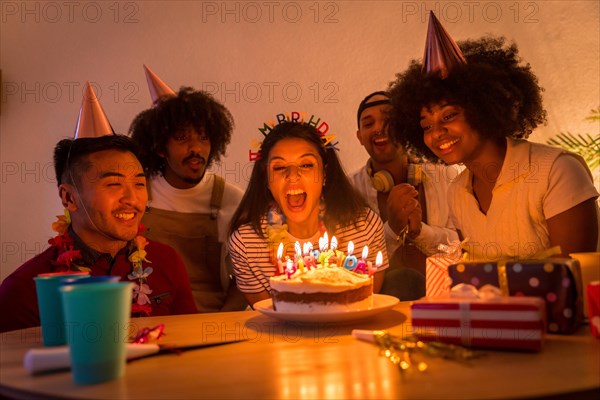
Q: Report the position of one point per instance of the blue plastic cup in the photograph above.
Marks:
(50, 305)
(97, 317)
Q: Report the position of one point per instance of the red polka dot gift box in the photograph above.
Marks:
(556, 280)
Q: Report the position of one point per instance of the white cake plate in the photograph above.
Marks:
(381, 302)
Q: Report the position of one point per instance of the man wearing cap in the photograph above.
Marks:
(190, 208)
(410, 198)
(102, 186)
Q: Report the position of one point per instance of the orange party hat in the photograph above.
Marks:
(92, 121)
(441, 52)
(156, 86)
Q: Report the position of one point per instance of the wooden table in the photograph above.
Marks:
(286, 360)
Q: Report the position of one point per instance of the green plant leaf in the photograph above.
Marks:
(586, 145)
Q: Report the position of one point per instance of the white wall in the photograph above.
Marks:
(259, 58)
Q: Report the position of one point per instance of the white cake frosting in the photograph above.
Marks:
(320, 280)
(322, 289)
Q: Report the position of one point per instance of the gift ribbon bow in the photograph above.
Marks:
(466, 291)
(453, 248)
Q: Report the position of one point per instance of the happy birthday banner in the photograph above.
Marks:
(254, 154)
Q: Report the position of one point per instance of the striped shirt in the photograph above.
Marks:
(250, 254)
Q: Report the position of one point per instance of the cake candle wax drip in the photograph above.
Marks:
(350, 261)
(362, 265)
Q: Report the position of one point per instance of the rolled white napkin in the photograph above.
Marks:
(46, 359)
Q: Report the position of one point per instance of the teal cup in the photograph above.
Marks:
(90, 279)
(97, 320)
(50, 305)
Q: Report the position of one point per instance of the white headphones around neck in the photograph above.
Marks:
(382, 180)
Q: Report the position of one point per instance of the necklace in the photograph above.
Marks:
(70, 259)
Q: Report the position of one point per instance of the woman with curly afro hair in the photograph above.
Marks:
(190, 208)
(515, 198)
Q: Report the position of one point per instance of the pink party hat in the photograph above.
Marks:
(157, 87)
(92, 121)
(441, 52)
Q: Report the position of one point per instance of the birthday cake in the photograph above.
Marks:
(331, 289)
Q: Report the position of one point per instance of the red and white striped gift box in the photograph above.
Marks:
(509, 323)
(437, 280)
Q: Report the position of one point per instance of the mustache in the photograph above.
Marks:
(381, 134)
(194, 156)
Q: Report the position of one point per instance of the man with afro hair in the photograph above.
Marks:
(190, 208)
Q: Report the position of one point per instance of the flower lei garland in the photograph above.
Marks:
(69, 259)
(277, 230)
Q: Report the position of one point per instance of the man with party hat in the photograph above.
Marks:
(156, 86)
(102, 187)
(475, 104)
(190, 208)
(409, 196)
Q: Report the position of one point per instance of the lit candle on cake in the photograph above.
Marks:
(299, 260)
(309, 258)
(350, 261)
(315, 253)
(319, 253)
(378, 262)
(361, 266)
(337, 257)
(325, 250)
(290, 268)
(280, 264)
(323, 242)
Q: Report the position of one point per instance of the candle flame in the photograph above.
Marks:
(326, 240)
(350, 248)
(306, 248)
(334, 243)
(298, 249)
(379, 259)
(365, 252)
(280, 251)
(322, 244)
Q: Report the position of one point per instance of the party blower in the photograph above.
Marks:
(53, 359)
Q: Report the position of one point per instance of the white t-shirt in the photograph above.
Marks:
(536, 182)
(196, 200)
(439, 229)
